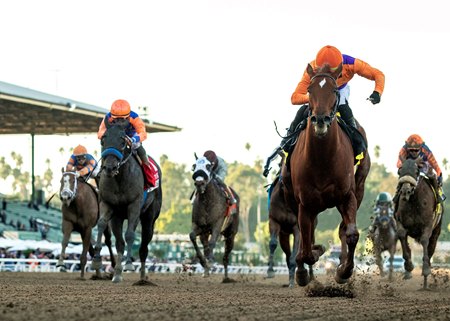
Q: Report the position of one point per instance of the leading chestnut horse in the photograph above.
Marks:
(323, 175)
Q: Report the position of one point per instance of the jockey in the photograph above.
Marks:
(350, 66)
(84, 163)
(120, 109)
(219, 171)
(415, 147)
(384, 200)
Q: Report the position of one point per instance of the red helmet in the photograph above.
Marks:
(414, 142)
(120, 109)
(79, 150)
(211, 156)
(329, 55)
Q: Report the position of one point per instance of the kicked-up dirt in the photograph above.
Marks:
(62, 296)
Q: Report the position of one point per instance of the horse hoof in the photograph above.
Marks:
(319, 249)
(96, 264)
(129, 267)
(62, 269)
(117, 279)
(302, 278)
(407, 276)
(340, 280)
(270, 274)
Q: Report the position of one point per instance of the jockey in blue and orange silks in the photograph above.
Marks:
(350, 66)
(414, 148)
(82, 162)
(120, 109)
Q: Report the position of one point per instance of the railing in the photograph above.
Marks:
(47, 265)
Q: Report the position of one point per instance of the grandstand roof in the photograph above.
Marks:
(28, 111)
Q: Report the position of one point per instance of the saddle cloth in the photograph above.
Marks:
(151, 175)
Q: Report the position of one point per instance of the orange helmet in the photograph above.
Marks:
(120, 109)
(414, 142)
(80, 150)
(329, 55)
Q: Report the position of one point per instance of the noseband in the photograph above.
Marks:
(66, 189)
(335, 107)
(117, 153)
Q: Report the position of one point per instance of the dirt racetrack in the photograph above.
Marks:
(62, 296)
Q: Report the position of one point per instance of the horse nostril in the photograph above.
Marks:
(314, 119)
(327, 120)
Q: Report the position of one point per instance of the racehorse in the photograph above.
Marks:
(210, 219)
(80, 213)
(322, 173)
(122, 197)
(416, 216)
(283, 224)
(384, 238)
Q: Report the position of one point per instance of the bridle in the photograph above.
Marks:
(119, 154)
(71, 194)
(329, 118)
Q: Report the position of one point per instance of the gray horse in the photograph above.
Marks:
(208, 217)
(384, 238)
(122, 198)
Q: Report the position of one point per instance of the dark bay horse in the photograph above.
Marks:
(416, 216)
(209, 220)
(282, 224)
(80, 213)
(384, 238)
(323, 175)
(122, 197)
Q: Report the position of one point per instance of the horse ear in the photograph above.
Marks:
(195, 155)
(62, 169)
(337, 72)
(310, 70)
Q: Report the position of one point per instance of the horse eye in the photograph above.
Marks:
(193, 167)
(208, 167)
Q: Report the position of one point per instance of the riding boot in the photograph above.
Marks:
(297, 125)
(142, 155)
(229, 195)
(347, 115)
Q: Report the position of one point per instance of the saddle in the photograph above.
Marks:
(359, 143)
(151, 175)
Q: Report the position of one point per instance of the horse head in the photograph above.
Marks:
(323, 97)
(202, 173)
(115, 144)
(408, 174)
(384, 216)
(68, 189)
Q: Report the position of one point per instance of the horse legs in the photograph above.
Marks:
(147, 224)
(102, 225)
(348, 239)
(130, 234)
(108, 243)
(290, 256)
(391, 263)
(430, 250)
(426, 264)
(229, 244)
(67, 228)
(204, 239)
(378, 259)
(117, 229)
(274, 229)
(193, 236)
(305, 254)
(86, 238)
(406, 251)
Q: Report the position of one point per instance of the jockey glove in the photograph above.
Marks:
(375, 97)
(77, 174)
(134, 139)
(439, 180)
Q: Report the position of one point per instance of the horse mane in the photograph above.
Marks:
(324, 69)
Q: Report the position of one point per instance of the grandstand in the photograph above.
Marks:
(45, 218)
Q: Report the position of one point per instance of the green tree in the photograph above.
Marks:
(177, 187)
(247, 181)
